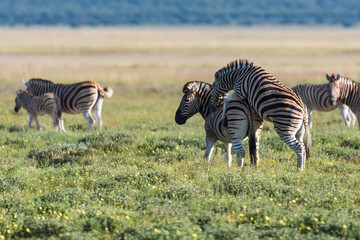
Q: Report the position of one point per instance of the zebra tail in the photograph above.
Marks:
(252, 138)
(106, 91)
(307, 137)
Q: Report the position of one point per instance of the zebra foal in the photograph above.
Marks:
(35, 106)
(316, 97)
(346, 91)
(272, 100)
(241, 122)
(75, 98)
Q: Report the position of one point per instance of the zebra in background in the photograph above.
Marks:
(38, 106)
(316, 97)
(271, 100)
(346, 91)
(241, 122)
(74, 98)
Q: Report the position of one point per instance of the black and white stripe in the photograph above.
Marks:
(74, 98)
(316, 97)
(272, 100)
(346, 91)
(38, 106)
(241, 122)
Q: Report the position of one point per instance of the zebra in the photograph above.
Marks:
(346, 91)
(316, 97)
(272, 100)
(74, 98)
(196, 99)
(35, 106)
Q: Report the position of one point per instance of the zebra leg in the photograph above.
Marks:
(296, 144)
(240, 153)
(209, 148)
(56, 122)
(90, 119)
(309, 118)
(37, 123)
(97, 111)
(257, 139)
(344, 111)
(228, 157)
(30, 121)
(352, 118)
(358, 118)
(62, 128)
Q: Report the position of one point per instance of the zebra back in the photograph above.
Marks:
(74, 98)
(315, 96)
(272, 100)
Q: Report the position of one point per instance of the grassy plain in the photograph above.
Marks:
(143, 176)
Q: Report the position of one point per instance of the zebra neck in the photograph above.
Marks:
(204, 104)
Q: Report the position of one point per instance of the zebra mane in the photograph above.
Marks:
(237, 64)
(39, 81)
(193, 86)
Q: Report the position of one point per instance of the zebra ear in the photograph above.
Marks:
(26, 83)
(17, 93)
(328, 78)
(337, 77)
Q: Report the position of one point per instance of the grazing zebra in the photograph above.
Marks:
(74, 98)
(316, 97)
(346, 91)
(271, 100)
(196, 99)
(38, 106)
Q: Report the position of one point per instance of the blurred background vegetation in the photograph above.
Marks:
(179, 12)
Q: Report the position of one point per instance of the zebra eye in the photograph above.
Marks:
(187, 100)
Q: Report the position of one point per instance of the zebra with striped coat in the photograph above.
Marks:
(346, 91)
(272, 100)
(75, 98)
(241, 122)
(35, 106)
(316, 97)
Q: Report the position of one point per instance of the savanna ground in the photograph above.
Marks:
(143, 176)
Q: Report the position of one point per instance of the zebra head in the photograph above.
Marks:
(189, 104)
(334, 88)
(18, 103)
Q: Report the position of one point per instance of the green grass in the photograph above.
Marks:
(144, 177)
(152, 182)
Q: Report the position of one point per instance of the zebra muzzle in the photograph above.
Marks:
(179, 119)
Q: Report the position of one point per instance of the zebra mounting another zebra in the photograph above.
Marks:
(75, 98)
(272, 100)
(35, 106)
(242, 122)
(346, 91)
(316, 97)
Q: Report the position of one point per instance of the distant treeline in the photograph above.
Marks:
(179, 12)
